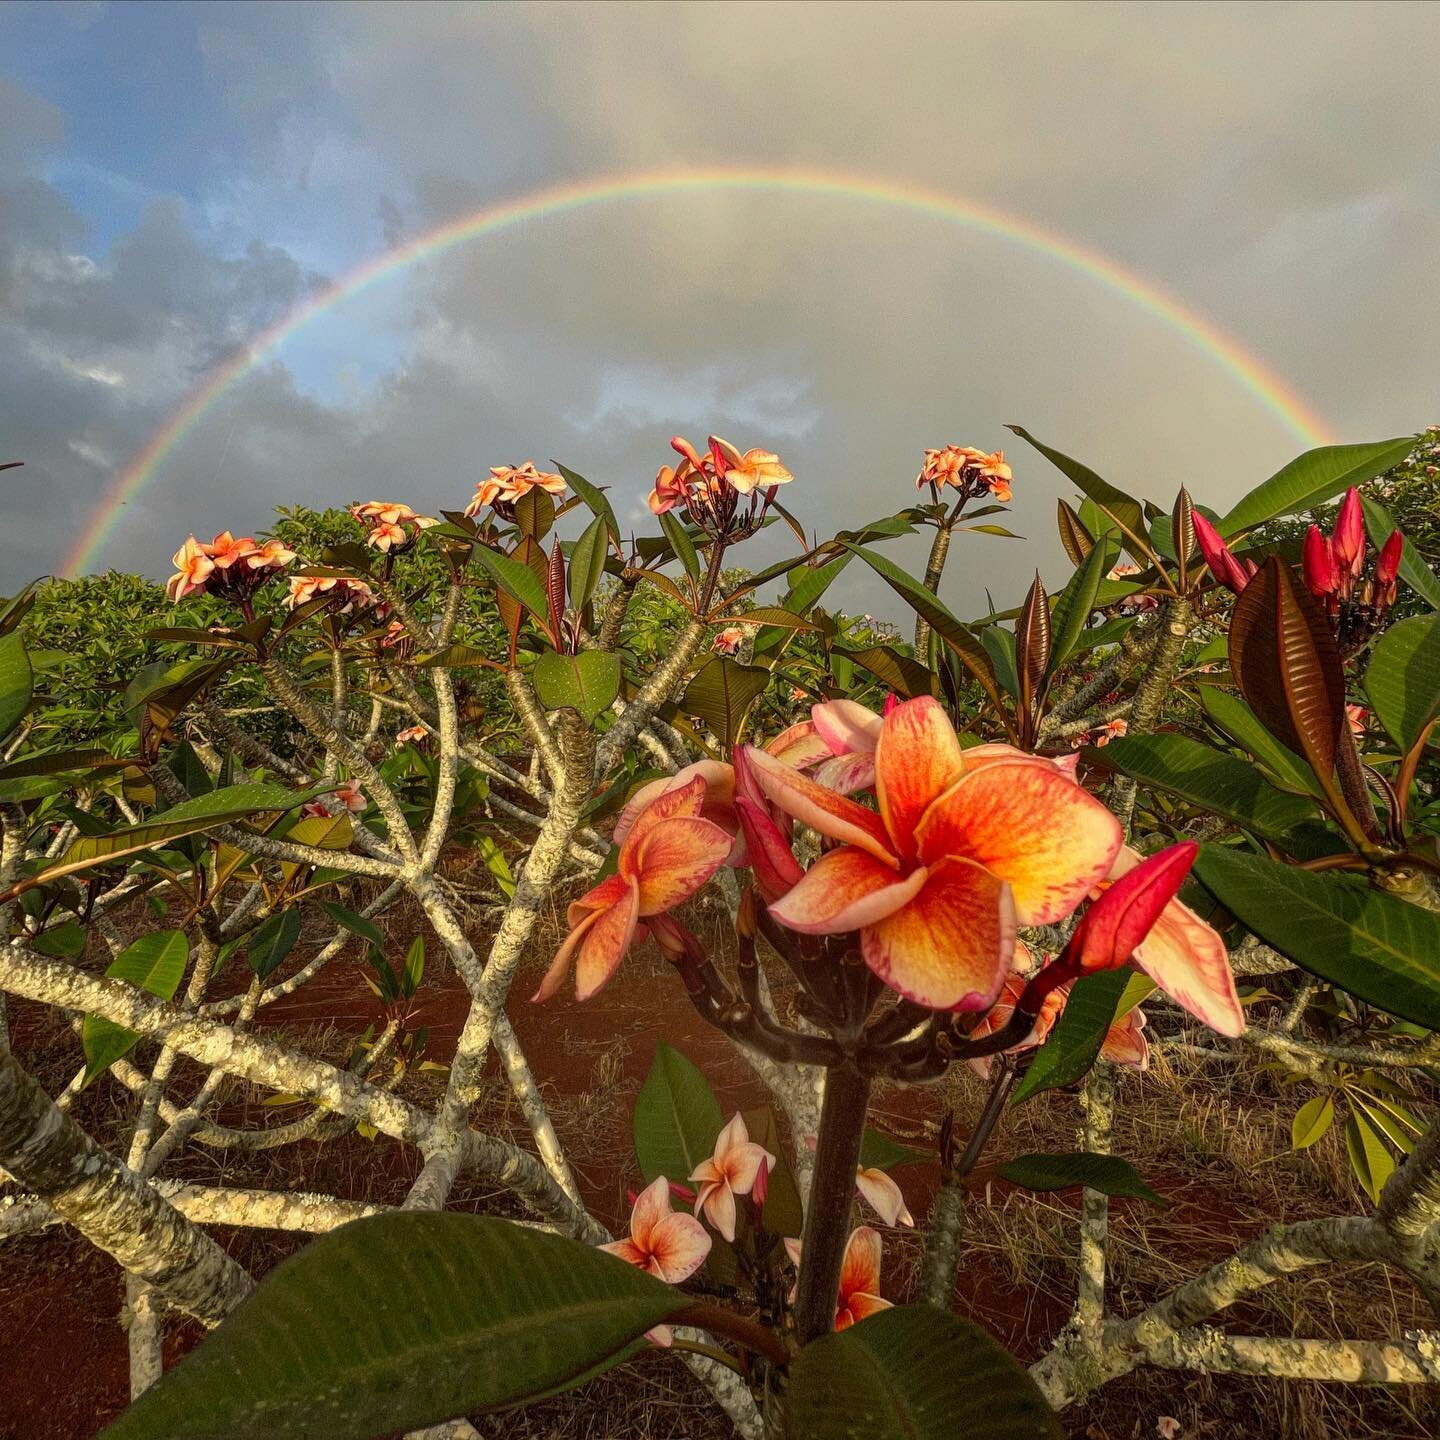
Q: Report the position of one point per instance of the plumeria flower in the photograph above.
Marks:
(389, 524)
(859, 1276)
(412, 735)
(1109, 731)
(731, 1171)
(355, 593)
(669, 853)
(1355, 715)
(1125, 1042)
(1167, 1427)
(193, 568)
(883, 1195)
(273, 555)
(996, 1017)
(507, 483)
(960, 465)
(961, 853)
(668, 1244)
(226, 550)
(670, 488)
(753, 470)
(730, 639)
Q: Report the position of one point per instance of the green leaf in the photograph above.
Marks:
(594, 498)
(355, 924)
(1312, 479)
(273, 940)
(16, 682)
(414, 964)
(999, 644)
(677, 1117)
(67, 939)
(775, 615)
(1242, 725)
(1074, 606)
(1383, 950)
(1126, 511)
(1372, 1163)
(681, 545)
(401, 1321)
(1312, 1120)
(516, 579)
(879, 1152)
(1221, 784)
(59, 762)
(1403, 678)
(721, 693)
(960, 638)
(1413, 569)
(1078, 1035)
(587, 682)
(587, 563)
(154, 962)
(1108, 1174)
(913, 1373)
(901, 673)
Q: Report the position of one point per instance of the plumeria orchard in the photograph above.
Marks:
(1015, 854)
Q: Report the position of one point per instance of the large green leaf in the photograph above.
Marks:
(1108, 1174)
(1222, 784)
(1074, 604)
(901, 673)
(913, 1373)
(879, 1152)
(960, 638)
(587, 563)
(721, 692)
(273, 940)
(677, 1117)
(594, 498)
(681, 544)
(16, 682)
(1124, 510)
(1383, 950)
(400, 1321)
(588, 682)
(1403, 678)
(1078, 1035)
(154, 962)
(1413, 569)
(1242, 724)
(1313, 478)
(515, 579)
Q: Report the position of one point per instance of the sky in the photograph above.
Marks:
(176, 180)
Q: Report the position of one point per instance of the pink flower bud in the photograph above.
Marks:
(1223, 565)
(1387, 567)
(1348, 541)
(1318, 564)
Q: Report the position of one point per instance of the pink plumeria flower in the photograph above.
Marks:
(193, 567)
(351, 797)
(668, 854)
(1125, 1042)
(753, 470)
(413, 734)
(667, 1244)
(730, 639)
(883, 1196)
(1167, 1427)
(731, 1171)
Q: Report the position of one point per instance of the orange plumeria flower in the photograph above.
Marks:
(730, 639)
(731, 1171)
(859, 1276)
(193, 567)
(883, 1196)
(962, 852)
(507, 483)
(753, 470)
(668, 854)
(273, 554)
(412, 734)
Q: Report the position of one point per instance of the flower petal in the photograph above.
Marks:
(602, 897)
(734, 1132)
(1188, 961)
(627, 1251)
(1125, 1044)
(847, 727)
(651, 1207)
(883, 1196)
(1031, 825)
(767, 850)
(718, 1203)
(949, 947)
(672, 861)
(845, 774)
(606, 943)
(554, 977)
(917, 759)
(800, 745)
(684, 800)
(860, 1270)
(742, 1165)
(680, 1244)
(821, 809)
(846, 889)
(860, 1306)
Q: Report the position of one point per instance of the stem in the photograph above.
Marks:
(1153, 691)
(739, 1328)
(827, 1223)
(934, 569)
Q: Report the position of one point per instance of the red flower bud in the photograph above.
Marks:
(1318, 564)
(1223, 565)
(761, 1187)
(1387, 567)
(1348, 541)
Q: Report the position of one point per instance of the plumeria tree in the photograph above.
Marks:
(958, 872)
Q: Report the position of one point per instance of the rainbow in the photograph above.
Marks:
(1266, 387)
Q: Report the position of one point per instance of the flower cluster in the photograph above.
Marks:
(234, 568)
(1334, 571)
(390, 526)
(710, 488)
(507, 483)
(347, 594)
(972, 472)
